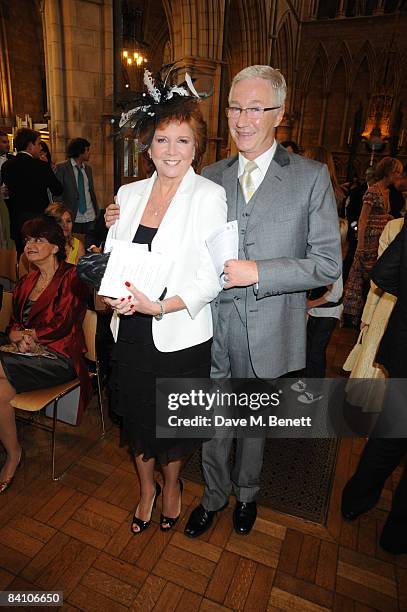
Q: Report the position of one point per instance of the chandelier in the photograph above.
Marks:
(133, 58)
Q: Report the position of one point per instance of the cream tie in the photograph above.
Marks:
(246, 180)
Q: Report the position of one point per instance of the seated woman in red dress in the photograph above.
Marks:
(49, 305)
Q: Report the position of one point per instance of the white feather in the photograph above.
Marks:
(176, 89)
(191, 85)
(151, 88)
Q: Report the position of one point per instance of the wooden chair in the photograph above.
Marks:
(6, 310)
(8, 266)
(34, 401)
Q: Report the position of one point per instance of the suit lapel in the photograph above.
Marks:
(71, 172)
(272, 193)
(229, 182)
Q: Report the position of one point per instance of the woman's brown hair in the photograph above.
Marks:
(57, 211)
(48, 228)
(189, 113)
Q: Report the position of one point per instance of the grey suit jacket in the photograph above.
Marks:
(70, 196)
(293, 235)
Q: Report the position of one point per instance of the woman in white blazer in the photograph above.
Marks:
(173, 212)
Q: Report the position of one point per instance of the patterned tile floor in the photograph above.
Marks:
(73, 535)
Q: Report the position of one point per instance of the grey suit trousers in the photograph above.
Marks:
(230, 346)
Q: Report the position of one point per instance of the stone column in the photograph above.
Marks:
(197, 39)
(379, 10)
(344, 118)
(341, 13)
(6, 99)
(323, 119)
(79, 66)
(209, 72)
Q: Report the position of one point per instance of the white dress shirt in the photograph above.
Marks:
(89, 215)
(262, 161)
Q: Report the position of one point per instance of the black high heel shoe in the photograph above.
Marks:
(6, 484)
(168, 520)
(142, 525)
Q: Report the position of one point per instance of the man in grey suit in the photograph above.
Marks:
(79, 193)
(288, 242)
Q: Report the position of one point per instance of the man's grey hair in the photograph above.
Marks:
(272, 75)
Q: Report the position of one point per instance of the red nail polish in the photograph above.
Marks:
(129, 297)
(127, 284)
(122, 299)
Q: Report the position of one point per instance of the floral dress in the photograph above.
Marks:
(357, 285)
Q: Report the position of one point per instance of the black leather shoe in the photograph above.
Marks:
(200, 521)
(352, 507)
(244, 517)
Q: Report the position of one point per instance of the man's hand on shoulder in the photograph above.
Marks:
(240, 273)
(112, 213)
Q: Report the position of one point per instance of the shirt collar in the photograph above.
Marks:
(26, 153)
(73, 162)
(262, 161)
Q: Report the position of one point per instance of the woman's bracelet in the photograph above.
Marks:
(159, 316)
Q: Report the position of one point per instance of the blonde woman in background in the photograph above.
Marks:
(74, 247)
(63, 216)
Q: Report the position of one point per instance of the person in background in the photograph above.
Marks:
(353, 209)
(372, 221)
(78, 195)
(291, 146)
(49, 305)
(28, 180)
(375, 316)
(6, 241)
(385, 449)
(73, 247)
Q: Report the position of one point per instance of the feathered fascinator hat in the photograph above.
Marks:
(160, 100)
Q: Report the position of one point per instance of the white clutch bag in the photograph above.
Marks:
(354, 354)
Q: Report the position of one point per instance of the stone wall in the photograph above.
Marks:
(79, 63)
(23, 69)
(343, 63)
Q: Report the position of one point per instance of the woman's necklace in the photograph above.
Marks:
(43, 283)
(156, 209)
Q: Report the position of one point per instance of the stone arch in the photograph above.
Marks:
(336, 105)
(367, 55)
(360, 92)
(320, 55)
(313, 105)
(346, 58)
(284, 55)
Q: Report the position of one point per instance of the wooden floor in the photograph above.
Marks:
(73, 535)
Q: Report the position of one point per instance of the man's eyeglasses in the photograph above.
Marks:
(253, 112)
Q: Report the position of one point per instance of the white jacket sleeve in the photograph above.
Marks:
(210, 214)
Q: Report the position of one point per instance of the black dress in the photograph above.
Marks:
(137, 363)
(38, 372)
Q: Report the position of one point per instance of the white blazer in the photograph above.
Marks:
(198, 208)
